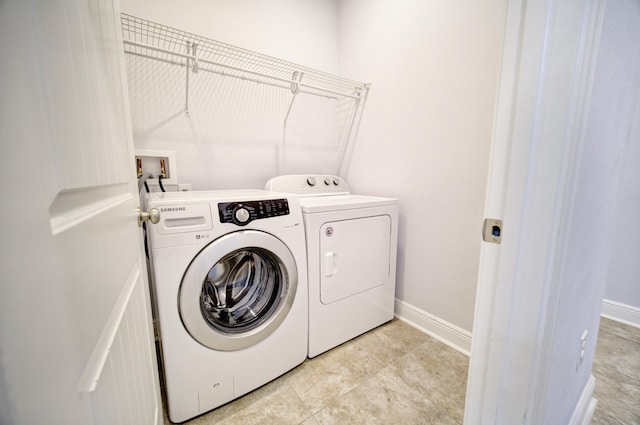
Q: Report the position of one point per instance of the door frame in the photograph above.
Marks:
(542, 104)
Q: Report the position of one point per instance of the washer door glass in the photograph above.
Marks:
(238, 290)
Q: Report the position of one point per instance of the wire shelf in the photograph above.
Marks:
(156, 41)
(150, 40)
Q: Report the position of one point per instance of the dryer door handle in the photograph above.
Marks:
(330, 263)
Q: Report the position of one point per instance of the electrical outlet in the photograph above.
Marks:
(157, 163)
(583, 347)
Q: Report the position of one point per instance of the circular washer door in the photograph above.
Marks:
(238, 290)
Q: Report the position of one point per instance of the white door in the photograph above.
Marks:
(76, 341)
(545, 83)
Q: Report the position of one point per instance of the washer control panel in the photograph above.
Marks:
(242, 213)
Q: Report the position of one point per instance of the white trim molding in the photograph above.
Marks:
(623, 313)
(445, 332)
(583, 413)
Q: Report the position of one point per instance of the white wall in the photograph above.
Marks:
(617, 118)
(301, 31)
(227, 142)
(425, 135)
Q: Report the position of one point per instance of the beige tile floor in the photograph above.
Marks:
(617, 372)
(393, 374)
(396, 374)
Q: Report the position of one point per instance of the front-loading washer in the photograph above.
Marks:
(351, 257)
(230, 289)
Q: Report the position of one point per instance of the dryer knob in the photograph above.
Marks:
(311, 181)
(241, 215)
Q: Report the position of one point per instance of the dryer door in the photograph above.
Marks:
(238, 290)
(356, 256)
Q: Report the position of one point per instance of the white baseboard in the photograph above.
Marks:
(619, 312)
(583, 413)
(445, 332)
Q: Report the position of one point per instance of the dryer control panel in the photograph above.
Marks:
(242, 213)
(308, 185)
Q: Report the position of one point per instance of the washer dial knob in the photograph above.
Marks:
(311, 181)
(241, 215)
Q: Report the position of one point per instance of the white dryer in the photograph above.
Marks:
(351, 257)
(230, 284)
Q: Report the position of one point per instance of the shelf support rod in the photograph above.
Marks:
(295, 89)
(186, 91)
(194, 53)
(351, 135)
